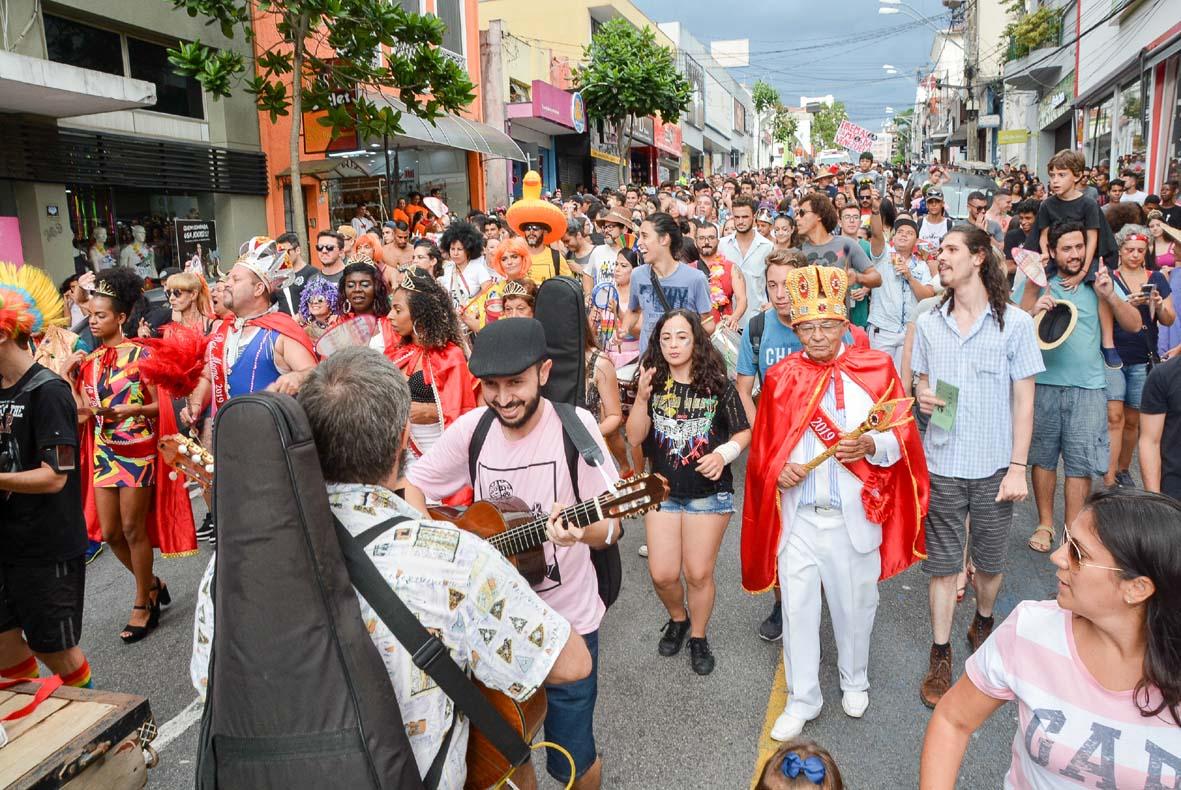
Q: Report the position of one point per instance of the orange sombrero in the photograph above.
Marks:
(532, 209)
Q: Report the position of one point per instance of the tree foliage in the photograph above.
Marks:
(825, 123)
(333, 46)
(628, 75)
(784, 127)
(764, 97)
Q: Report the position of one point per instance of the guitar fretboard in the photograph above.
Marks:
(532, 534)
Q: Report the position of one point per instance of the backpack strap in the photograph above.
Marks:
(427, 651)
(477, 443)
(754, 328)
(557, 261)
(578, 442)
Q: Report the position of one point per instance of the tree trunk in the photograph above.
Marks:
(299, 218)
(622, 145)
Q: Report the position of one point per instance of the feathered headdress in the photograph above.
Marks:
(176, 360)
(29, 300)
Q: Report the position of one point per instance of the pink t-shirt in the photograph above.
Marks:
(1071, 732)
(533, 470)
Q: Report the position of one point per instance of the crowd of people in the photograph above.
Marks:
(897, 377)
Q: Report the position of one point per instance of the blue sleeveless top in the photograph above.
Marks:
(255, 368)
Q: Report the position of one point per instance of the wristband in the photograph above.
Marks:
(729, 451)
(610, 531)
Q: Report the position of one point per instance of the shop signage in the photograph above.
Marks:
(1056, 102)
(667, 137)
(10, 240)
(578, 113)
(195, 240)
(317, 138)
(559, 106)
(1012, 136)
(854, 137)
(989, 122)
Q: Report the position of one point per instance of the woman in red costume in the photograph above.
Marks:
(130, 500)
(427, 347)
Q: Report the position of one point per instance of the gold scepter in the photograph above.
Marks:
(885, 415)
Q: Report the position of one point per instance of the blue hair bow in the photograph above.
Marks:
(813, 767)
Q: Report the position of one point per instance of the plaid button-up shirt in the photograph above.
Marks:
(983, 363)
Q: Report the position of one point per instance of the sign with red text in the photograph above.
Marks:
(854, 137)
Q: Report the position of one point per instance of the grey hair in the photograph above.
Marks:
(358, 404)
(1130, 230)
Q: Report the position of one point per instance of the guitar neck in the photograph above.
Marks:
(532, 534)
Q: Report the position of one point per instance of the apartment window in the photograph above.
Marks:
(88, 47)
(83, 46)
(175, 95)
(451, 12)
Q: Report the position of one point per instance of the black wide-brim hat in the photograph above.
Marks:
(1054, 326)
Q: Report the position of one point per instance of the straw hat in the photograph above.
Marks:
(1054, 326)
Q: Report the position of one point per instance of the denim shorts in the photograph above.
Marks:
(1071, 423)
(721, 502)
(1127, 384)
(570, 719)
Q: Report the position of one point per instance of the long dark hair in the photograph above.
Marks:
(431, 311)
(1141, 530)
(992, 273)
(705, 365)
(381, 292)
(664, 225)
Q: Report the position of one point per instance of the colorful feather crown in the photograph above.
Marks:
(29, 301)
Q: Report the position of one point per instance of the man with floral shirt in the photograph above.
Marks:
(457, 585)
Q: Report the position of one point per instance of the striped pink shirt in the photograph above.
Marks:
(1071, 732)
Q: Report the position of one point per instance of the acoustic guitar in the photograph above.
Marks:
(185, 456)
(519, 535)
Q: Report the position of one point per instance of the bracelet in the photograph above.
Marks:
(1017, 463)
(729, 451)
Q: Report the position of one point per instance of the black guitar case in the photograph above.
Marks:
(298, 694)
(561, 308)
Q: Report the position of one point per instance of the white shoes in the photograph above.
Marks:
(855, 703)
(787, 727)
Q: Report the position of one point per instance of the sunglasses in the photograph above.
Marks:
(171, 292)
(1075, 554)
(326, 247)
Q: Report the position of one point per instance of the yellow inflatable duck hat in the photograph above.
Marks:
(532, 210)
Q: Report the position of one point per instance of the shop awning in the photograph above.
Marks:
(451, 131)
(35, 86)
(334, 167)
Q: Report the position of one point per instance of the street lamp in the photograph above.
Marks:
(888, 7)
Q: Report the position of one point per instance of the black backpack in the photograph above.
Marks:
(298, 694)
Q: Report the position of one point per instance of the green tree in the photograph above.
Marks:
(330, 50)
(764, 97)
(627, 75)
(783, 130)
(825, 123)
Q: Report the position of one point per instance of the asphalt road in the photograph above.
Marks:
(658, 724)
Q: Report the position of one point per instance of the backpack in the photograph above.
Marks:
(576, 441)
(288, 622)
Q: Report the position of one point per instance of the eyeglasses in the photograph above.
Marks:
(326, 247)
(1075, 554)
(822, 326)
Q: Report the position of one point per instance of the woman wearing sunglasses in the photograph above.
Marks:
(1096, 674)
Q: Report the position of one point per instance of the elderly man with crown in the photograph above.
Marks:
(836, 491)
(259, 347)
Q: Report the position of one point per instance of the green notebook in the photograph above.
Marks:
(944, 416)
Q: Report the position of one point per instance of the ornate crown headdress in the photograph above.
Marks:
(408, 281)
(262, 256)
(514, 288)
(103, 288)
(817, 292)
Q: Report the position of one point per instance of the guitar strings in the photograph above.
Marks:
(515, 536)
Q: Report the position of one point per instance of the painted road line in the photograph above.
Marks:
(176, 726)
(775, 706)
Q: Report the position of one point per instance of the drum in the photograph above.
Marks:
(357, 331)
(629, 376)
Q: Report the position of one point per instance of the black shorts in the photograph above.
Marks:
(45, 602)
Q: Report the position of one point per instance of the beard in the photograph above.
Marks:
(530, 410)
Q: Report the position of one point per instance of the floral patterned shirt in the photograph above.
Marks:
(460, 588)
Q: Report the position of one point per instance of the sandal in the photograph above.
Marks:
(1037, 545)
(161, 590)
(134, 633)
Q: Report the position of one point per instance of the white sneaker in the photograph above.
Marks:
(787, 727)
(643, 550)
(855, 703)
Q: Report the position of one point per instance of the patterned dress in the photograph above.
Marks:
(124, 450)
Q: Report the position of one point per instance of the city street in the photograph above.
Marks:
(658, 724)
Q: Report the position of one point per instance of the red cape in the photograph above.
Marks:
(170, 516)
(791, 391)
(279, 322)
(447, 365)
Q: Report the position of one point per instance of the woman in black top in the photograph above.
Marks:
(692, 425)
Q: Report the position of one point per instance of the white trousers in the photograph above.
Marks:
(818, 554)
(892, 343)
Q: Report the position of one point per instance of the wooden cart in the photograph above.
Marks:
(78, 739)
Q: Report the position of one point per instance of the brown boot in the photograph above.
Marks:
(978, 631)
(938, 679)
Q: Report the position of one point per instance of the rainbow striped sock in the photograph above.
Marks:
(80, 677)
(25, 669)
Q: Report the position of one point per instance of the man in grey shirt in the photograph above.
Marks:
(815, 221)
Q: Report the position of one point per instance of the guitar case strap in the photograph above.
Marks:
(427, 651)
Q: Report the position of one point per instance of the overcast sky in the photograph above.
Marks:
(805, 53)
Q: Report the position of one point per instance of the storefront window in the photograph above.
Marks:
(444, 170)
(1130, 128)
(1097, 132)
